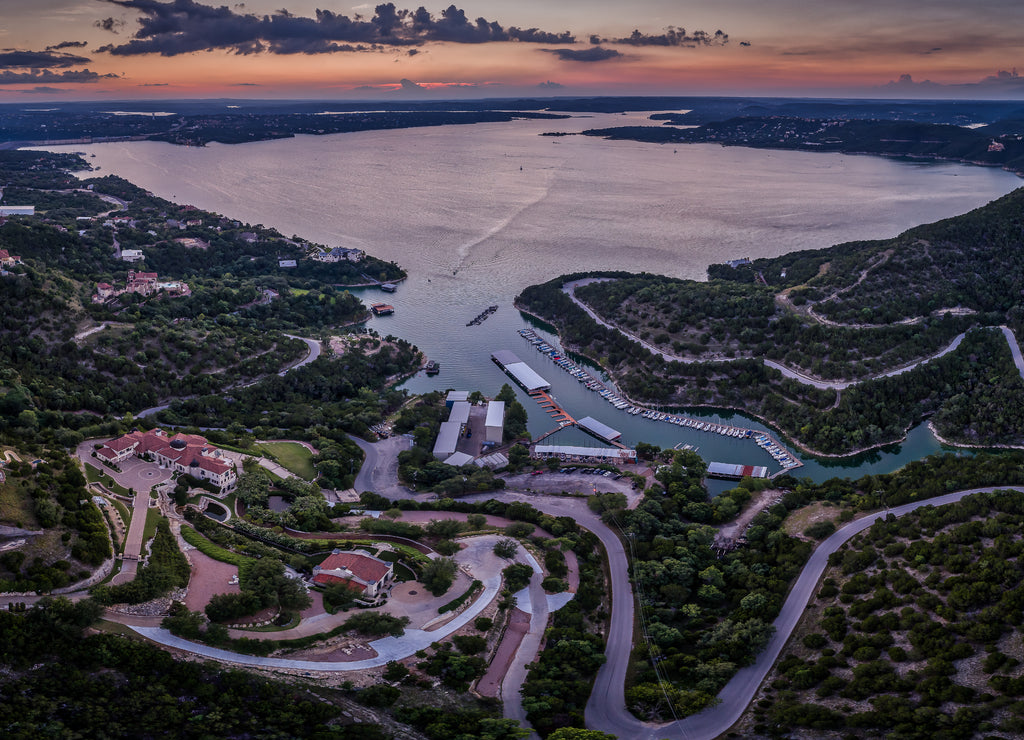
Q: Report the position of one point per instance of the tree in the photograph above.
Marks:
(506, 548)
(438, 575)
(578, 733)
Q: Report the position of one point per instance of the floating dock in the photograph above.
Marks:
(599, 430)
(382, 309)
(520, 372)
(773, 447)
(736, 472)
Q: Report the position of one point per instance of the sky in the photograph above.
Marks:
(151, 49)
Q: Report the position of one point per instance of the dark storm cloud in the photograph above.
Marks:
(175, 27)
(114, 25)
(671, 37)
(68, 45)
(37, 76)
(593, 54)
(14, 58)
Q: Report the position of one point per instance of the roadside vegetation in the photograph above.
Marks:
(914, 632)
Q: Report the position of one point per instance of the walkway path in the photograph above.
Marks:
(83, 334)
(133, 542)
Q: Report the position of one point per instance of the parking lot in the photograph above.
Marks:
(580, 480)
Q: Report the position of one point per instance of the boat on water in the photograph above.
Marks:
(432, 367)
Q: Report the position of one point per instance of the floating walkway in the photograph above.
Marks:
(483, 316)
(763, 439)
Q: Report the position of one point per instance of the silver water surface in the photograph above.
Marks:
(477, 213)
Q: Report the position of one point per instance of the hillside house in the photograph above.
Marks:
(182, 453)
(358, 570)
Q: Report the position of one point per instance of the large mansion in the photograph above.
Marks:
(359, 571)
(183, 453)
(143, 283)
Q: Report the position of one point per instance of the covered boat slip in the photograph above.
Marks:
(598, 429)
(522, 373)
(735, 472)
(567, 452)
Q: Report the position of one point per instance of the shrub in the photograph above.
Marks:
(506, 548)
(820, 530)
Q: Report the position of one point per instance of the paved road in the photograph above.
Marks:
(606, 709)
(379, 472)
(479, 557)
(570, 290)
(1014, 349)
(737, 694)
(837, 385)
(515, 676)
(314, 352)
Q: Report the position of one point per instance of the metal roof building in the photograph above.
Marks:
(607, 453)
(603, 431)
(459, 459)
(522, 373)
(494, 426)
(454, 396)
(735, 472)
(460, 412)
(447, 439)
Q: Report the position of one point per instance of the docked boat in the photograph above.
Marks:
(432, 367)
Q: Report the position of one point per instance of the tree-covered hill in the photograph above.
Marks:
(852, 312)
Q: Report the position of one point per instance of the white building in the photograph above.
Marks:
(495, 423)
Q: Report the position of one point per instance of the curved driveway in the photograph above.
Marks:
(606, 710)
(379, 472)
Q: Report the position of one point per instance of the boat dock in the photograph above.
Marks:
(550, 405)
(482, 317)
(382, 309)
(763, 439)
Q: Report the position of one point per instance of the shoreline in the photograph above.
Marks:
(802, 447)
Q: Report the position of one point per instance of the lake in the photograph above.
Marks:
(476, 213)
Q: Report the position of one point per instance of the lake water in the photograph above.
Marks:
(476, 213)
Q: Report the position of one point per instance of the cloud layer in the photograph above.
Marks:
(15, 59)
(185, 26)
(39, 76)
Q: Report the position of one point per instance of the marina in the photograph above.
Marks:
(764, 440)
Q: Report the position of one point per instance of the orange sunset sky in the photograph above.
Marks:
(127, 49)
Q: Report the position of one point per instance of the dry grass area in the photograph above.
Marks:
(16, 506)
(801, 519)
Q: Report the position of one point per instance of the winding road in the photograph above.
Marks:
(606, 711)
(314, 352)
(569, 289)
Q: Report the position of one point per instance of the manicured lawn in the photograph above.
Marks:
(292, 456)
(153, 516)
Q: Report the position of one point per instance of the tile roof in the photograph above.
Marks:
(363, 567)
